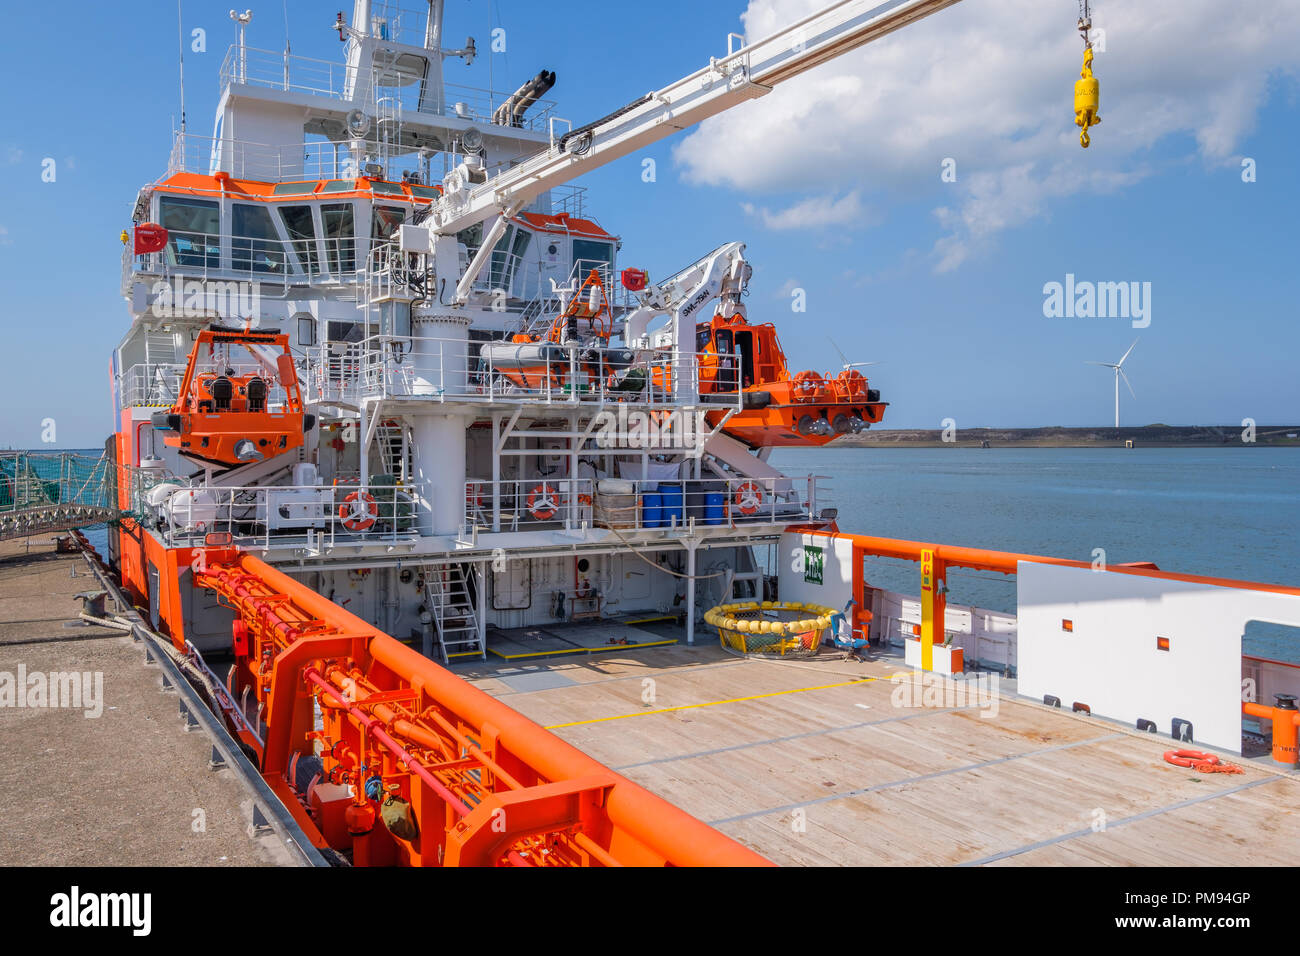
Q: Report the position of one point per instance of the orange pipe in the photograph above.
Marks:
(982, 559)
(669, 832)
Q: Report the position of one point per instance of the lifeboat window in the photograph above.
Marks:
(745, 345)
(193, 231)
(726, 375)
(384, 222)
(339, 186)
(301, 229)
(254, 245)
(340, 244)
(387, 189)
(703, 338)
(424, 192)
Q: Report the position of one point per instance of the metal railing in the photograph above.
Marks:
(526, 505)
(158, 385)
(289, 162)
(335, 80)
(521, 505)
(444, 369)
(253, 265)
(313, 516)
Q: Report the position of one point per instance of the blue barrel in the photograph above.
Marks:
(652, 511)
(713, 507)
(672, 504)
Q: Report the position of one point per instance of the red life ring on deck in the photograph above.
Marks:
(1189, 758)
(543, 502)
(358, 511)
(474, 498)
(748, 498)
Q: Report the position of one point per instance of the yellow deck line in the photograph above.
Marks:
(713, 703)
(580, 650)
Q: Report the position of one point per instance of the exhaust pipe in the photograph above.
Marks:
(511, 112)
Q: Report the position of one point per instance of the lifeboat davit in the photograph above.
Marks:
(538, 362)
(239, 401)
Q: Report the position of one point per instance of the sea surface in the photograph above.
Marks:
(1225, 512)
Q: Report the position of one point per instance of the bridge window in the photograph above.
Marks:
(193, 231)
(254, 245)
(384, 222)
(340, 241)
(301, 228)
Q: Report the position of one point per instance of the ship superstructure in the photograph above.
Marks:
(503, 428)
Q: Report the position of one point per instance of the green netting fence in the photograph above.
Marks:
(29, 480)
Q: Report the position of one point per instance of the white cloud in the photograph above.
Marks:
(991, 86)
(813, 213)
(4, 236)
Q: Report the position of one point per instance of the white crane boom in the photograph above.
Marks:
(743, 74)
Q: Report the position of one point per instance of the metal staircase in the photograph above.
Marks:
(451, 597)
(389, 435)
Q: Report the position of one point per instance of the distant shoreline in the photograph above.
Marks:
(1146, 436)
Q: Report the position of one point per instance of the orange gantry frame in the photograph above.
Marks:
(468, 780)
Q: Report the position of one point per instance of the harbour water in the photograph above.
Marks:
(1224, 512)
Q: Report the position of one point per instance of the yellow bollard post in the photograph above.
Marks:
(929, 594)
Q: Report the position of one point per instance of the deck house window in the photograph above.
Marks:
(301, 229)
(254, 244)
(340, 237)
(193, 231)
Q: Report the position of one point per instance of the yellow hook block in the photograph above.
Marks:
(1087, 94)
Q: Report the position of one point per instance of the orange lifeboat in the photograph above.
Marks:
(239, 401)
(777, 408)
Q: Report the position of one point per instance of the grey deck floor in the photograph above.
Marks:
(814, 764)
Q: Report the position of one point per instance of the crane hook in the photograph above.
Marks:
(1087, 93)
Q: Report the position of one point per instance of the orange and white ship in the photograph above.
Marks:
(389, 403)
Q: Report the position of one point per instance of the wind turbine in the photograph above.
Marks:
(1119, 373)
(847, 364)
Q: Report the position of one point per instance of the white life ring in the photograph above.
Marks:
(749, 497)
(358, 511)
(543, 502)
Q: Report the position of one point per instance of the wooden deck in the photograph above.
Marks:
(813, 764)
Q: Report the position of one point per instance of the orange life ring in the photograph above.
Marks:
(807, 386)
(584, 500)
(748, 498)
(358, 511)
(543, 502)
(853, 384)
(1189, 758)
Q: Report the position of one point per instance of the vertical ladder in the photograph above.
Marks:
(452, 602)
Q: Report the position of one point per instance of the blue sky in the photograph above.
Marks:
(941, 282)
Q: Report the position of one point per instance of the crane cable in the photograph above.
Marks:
(1086, 88)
